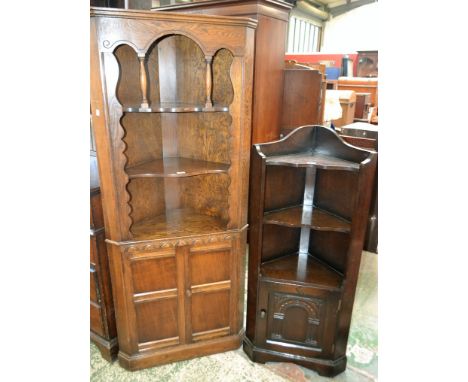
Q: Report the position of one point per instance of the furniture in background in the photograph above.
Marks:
(368, 63)
(365, 135)
(309, 202)
(127, 4)
(171, 110)
(348, 104)
(270, 47)
(361, 85)
(303, 97)
(102, 316)
(363, 104)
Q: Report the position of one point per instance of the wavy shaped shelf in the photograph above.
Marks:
(168, 107)
(177, 223)
(314, 273)
(312, 160)
(175, 167)
(319, 220)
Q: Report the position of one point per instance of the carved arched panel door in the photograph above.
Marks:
(296, 317)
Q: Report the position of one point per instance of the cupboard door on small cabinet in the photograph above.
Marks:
(298, 318)
(156, 298)
(210, 290)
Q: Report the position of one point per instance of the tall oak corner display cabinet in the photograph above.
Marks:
(171, 109)
(305, 247)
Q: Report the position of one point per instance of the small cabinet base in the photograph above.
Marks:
(326, 368)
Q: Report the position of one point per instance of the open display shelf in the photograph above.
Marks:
(311, 159)
(175, 108)
(304, 269)
(171, 108)
(175, 167)
(309, 198)
(177, 223)
(316, 219)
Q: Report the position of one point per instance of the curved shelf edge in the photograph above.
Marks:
(175, 108)
(175, 168)
(315, 273)
(312, 160)
(320, 220)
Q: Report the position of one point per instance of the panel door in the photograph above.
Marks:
(296, 319)
(211, 290)
(155, 293)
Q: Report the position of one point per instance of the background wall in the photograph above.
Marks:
(352, 31)
(345, 34)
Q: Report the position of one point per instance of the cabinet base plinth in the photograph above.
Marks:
(108, 348)
(179, 353)
(326, 368)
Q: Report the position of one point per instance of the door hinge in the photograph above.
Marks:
(339, 306)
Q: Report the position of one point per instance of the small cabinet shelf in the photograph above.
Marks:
(316, 219)
(307, 270)
(309, 199)
(307, 159)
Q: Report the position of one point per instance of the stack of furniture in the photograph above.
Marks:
(309, 201)
(348, 104)
(303, 97)
(361, 85)
(171, 110)
(102, 317)
(363, 104)
(270, 47)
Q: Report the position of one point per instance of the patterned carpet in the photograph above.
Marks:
(235, 366)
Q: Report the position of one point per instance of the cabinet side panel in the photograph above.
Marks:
(301, 98)
(331, 247)
(204, 136)
(147, 198)
(269, 78)
(335, 191)
(143, 137)
(207, 194)
(284, 187)
(278, 240)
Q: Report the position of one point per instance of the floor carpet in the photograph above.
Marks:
(235, 366)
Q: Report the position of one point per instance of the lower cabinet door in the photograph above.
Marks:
(181, 294)
(296, 319)
(155, 293)
(210, 290)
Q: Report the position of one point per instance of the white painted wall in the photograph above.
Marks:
(352, 31)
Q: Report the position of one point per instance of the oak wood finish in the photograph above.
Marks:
(305, 247)
(270, 47)
(171, 99)
(102, 318)
(303, 97)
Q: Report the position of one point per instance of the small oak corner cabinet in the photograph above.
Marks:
(171, 106)
(309, 201)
